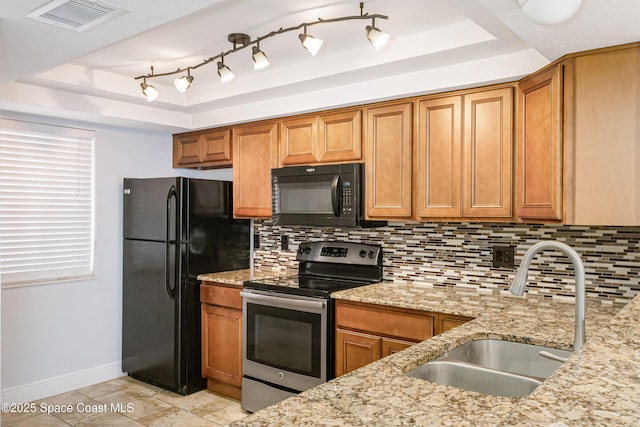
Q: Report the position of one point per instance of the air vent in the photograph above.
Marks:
(77, 15)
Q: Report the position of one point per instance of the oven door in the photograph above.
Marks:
(284, 339)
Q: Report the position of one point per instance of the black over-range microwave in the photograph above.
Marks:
(326, 195)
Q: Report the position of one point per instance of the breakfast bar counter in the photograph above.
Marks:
(600, 384)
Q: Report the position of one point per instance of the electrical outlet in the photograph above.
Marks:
(503, 256)
(284, 242)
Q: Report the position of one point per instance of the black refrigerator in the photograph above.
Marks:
(174, 229)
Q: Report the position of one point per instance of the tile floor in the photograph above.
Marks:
(127, 402)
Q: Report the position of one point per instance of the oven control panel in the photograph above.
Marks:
(334, 251)
(340, 252)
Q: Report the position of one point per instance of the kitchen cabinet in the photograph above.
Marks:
(330, 137)
(255, 153)
(221, 309)
(540, 145)
(578, 140)
(202, 149)
(464, 155)
(368, 332)
(388, 142)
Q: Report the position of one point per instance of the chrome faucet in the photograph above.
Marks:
(520, 281)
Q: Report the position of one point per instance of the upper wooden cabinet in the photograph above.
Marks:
(606, 138)
(540, 145)
(254, 148)
(439, 158)
(321, 138)
(464, 150)
(202, 149)
(388, 142)
(578, 140)
(487, 168)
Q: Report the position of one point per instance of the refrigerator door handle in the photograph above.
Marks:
(167, 261)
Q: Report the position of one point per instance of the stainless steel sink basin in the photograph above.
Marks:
(475, 378)
(499, 368)
(513, 357)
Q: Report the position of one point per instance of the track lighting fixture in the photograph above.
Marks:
(240, 41)
(149, 91)
(225, 73)
(312, 44)
(260, 60)
(377, 37)
(183, 83)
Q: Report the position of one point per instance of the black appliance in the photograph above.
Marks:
(325, 195)
(288, 323)
(174, 229)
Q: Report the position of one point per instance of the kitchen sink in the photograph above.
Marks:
(489, 366)
(475, 378)
(516, 358)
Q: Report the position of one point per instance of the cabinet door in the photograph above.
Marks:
(253, 148)
(487, 154)
(299, 141)
(216, 148)
(340, 136)
(607, 138)
(540, 146)
(186, 150)
(355, 349)
(222, 344)
(449, 321)
(438, 153)
(388, 139)
(390, 346)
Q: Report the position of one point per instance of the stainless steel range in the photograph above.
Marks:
(288, 322)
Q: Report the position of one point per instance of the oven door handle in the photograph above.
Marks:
(292, 302)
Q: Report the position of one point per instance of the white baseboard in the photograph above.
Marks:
(61, 384)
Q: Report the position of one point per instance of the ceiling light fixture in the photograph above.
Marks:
(183, 83)
(260, 60)
(377, 37)
(312, 44)
(149, 91)
(225, 73)
(240, 41)
(549, 12)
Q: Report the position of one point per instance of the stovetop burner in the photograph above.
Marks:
(305, 286)
(327, 267)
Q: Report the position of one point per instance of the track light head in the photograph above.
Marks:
(183, 83)
(312, 44)
(225, 73)
(149, 91)
(260, 60)
(377, 37)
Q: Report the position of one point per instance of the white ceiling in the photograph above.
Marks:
(436, 45)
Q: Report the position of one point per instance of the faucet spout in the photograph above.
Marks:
(519, 282)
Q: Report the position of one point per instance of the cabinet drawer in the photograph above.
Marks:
(401, 323)
(221, 295)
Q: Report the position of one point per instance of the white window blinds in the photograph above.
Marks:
(46, 203)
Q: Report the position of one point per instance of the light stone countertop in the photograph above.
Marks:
(599, 385)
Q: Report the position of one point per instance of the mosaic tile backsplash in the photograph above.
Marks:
(461, 254)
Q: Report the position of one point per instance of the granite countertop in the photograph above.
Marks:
(600, 384)
(236, 277)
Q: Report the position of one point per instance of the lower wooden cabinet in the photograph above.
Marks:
(221, 310)
(368, 332)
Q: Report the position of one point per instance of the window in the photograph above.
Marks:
(46, 203)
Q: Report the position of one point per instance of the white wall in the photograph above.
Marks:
(59, 337)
